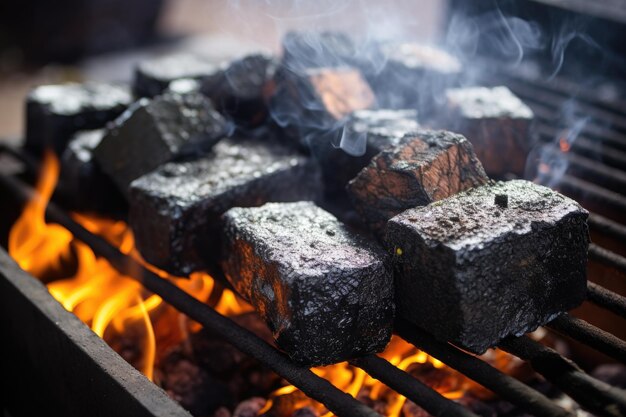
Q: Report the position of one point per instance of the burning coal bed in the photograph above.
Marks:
(311, 200)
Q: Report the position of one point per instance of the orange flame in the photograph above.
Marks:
(564, 145)
(113, 305)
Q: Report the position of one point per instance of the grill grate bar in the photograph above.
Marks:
(606, 257)
(590, 192)
(606, 299)
(478, 370)
(584, 332)
(607, 226)
(413, 389)
(594, 395)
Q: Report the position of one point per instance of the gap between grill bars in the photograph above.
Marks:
(590, 393)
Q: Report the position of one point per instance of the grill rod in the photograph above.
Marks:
(606, 299)
(606, 257)
(480, 371)
(590, 335)
(596, 396)
(607, 227)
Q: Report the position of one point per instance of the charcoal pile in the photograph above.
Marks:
(247, 170)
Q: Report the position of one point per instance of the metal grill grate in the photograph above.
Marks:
(598, 155)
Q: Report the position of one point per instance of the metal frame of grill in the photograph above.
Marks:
(592, 394)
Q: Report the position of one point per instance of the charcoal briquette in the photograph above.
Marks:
(153, 76)
(497, 123)
(152, 132)
(55, 112)
(472, 272)
(426, 166)
(325, 292)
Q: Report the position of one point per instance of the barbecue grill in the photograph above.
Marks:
(54, 356)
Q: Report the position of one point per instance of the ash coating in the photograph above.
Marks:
(153, 76)
(239, 89)
(174, 211)
(496, 122)
(55, 112)
(472, 272)
(376, 129)
(153, 132)
(82, 184)
(426, 166)
(325, 291)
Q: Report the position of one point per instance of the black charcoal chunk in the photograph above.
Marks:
(153, 76)
(324, 291)
(317, 100)
(174, 211)
(83, 185)
(153, 132)
(471, 270)
(497, 123)
(414, 76)
(241, 89)
(342, 153)
(427, 165)
(55, 112)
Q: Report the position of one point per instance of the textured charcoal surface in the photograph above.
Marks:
(240, 89)
(473, 271)
(55, 112)
(153, 76)
(153, 132)
(370, 132)
(175, 210)
(83, 185)
(325, 292)
(317, 100)
(496, 122)
(415, 76)
(426, 166)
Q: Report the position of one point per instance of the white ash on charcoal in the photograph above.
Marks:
(497, 123)
(414, 76)
(495, 261)
(152, 132)
(343, 152)
(174, 211)
(242, 88)
(426, 166)
(55, 112)
(325, 291)
(153, 76)
(184, 86)
(314, 101)
(83, 185)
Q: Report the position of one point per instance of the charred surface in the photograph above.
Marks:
(415, 76)
(427, 166)
(153, 76)
(369, 130)
(174, 210)
(325, 292)
(317, 100)
(55, 112)
(153, 132)
(241, 88)
(83, 185)
(495, 121)
(472, 272)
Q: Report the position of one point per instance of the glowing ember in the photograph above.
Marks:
(564, 145)
(142, 328)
